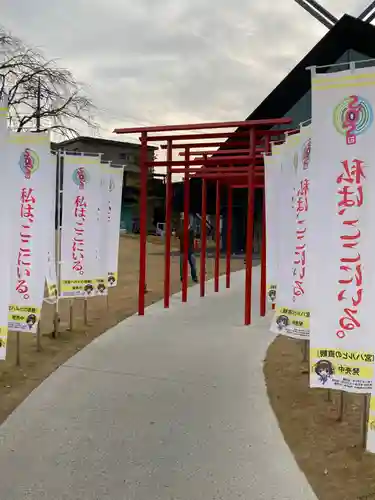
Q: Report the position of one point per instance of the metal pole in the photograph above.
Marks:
(263, 252)
(217, 231)
(143, 226)
(38, 105)
(341, 405)
(38, 338)
(18, 349)
(364, 420)
(229, 234)
(203, 239)
(168, 231)
(71, 316)
(249, 230)
(305, 351)
(59, 193)
(85, 312)
(186, 227)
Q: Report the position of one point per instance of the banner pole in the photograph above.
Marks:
(305, 350)
(365, 410)
(85, 312)
(38, 338)
(70, 326)
(18, 349)
(56, 320)
(341, 405)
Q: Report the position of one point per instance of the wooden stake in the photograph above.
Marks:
(305, 350)
(364, 420)
(341, 406)
(38, 339)
(85, 312)
(329, 396)
(18, 349)
(70, 327)
(56, 325)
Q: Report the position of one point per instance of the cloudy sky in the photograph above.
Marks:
(171, 61)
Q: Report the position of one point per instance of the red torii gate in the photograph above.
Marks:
(238, 164)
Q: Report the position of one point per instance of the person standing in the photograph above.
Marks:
(190, 252)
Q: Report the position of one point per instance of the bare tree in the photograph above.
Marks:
(39, 92)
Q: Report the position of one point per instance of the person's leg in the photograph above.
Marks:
(193, 267)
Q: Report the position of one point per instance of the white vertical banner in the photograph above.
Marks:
(51, 276)
(7, 195)
(29, 157)
(272, 178)
(300, 294)
(341, 231)
(291, 318)
(102, 282)
(80, 232)
(116, 176)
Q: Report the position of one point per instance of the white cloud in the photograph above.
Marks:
(163, 61)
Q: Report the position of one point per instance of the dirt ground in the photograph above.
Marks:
(17, 382)
(327, 450)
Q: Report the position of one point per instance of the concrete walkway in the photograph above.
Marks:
(171, 406)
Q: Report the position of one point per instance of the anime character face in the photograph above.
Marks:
(272, 294)
(101, 287)
(31, 320)
(88, 289)
(282, 322)
(324, 370)
(111, 280)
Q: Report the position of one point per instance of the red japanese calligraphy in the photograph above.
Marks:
(78, 240)
(24, 259)
(350, 197)
(301, 206)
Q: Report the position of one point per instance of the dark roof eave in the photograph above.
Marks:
(348, 33)
(101, 141)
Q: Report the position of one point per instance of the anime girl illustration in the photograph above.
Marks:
(88, 289)
(31, 320)
(111, 280)
(272, 294)
(282, 322)
(101, 287)
(324, 370)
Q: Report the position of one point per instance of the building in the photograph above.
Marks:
(349, 40)
(127, 154)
